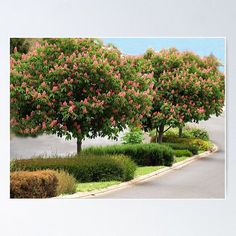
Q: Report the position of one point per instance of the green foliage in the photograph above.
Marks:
(86, 168)
(78, 88)
(180, 146)
(35, 184)
(189, 132)
(201, 144)
(182, 153)
(134, 136)
(197, 133)
(141, 154)
(20, 44)
(187, 88)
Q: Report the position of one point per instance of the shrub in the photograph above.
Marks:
(201, 144)
(178, 146)
(66, 183)
(182, 153)
(85, 168)
(188, 132)
(134, 136)
(197, 133)
(141, 154)
(36, 184)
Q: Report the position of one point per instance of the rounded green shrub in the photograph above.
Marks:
(182, 153)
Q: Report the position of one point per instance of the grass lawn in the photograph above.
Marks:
(178, 159)
(86, 187)
(200, 151)
(146, 170)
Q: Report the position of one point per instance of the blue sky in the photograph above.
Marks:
(201, 46)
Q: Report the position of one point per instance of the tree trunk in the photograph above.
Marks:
(79, 144)
(161, 132)
(180, 132)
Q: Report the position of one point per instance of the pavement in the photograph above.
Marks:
(49, 145)
(202, 179)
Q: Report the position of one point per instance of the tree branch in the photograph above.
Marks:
(167, 129)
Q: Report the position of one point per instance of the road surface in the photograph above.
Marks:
(204, 178)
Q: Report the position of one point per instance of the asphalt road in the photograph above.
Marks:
(204, 178)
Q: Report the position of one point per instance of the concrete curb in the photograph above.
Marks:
(143, 178)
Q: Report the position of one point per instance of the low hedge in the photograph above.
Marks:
(201, 144)
(85, 168)
(182, 153)
(141, 154)
(178, 146)
(36, 184)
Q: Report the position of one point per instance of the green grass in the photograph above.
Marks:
(86, 187)
(144, 170)
(200, 151)
(178, 159)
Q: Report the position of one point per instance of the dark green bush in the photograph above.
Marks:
(178, 146)
(22, 45)
(86, 168)
(142, 154)
(182, 153)
(35, 184)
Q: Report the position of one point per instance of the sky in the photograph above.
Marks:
(201, 46)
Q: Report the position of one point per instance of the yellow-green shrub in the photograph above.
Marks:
(66, 183)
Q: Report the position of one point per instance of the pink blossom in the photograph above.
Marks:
(43, 84)
(122, 94)
(53, 123)
(23, 85)
(85, 101)
(84, 110)
(71, 109)
(54, 89)
(44, 125)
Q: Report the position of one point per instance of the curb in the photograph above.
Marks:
(142, 178)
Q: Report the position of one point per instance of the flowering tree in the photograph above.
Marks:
(187, 88)
(76, 88)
